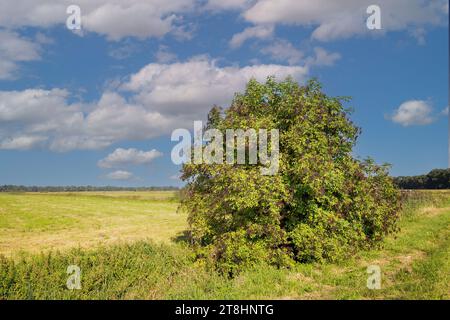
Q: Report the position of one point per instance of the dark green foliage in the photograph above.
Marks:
(323, 204)
(435, 179)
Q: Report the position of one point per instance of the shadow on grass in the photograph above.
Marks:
(182, 237)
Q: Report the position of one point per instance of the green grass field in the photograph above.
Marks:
(126, 246)
(35, 222)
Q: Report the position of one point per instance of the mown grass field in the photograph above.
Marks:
(35, 222)
(125, 244)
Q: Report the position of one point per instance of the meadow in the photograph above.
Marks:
(129, 245)
(35, 222)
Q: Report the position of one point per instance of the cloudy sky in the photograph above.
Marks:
(97, 105)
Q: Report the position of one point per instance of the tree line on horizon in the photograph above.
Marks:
(435, 179)
(19, 188)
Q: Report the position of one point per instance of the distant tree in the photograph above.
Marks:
(435, 179)
(323, 204)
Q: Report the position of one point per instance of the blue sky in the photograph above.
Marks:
(97, 106)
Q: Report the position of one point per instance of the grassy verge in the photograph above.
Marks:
(415, 264)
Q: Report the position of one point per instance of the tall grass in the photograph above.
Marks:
(412, 200)
(118, 272)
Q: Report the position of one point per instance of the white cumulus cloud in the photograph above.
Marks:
(13, 50)
(22, 142)
(116, 19)
(322, 57)
(125, 157)
(218, 5)
(120, 175)
(413, 112)
(191, 88)
(160, 97)
(345, 18)
(258, 32)
(282, 50)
